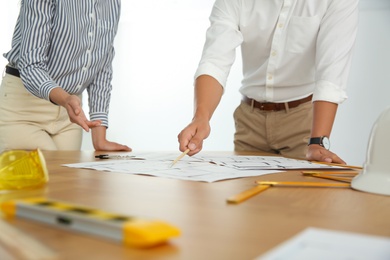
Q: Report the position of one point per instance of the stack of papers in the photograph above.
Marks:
(206, 168)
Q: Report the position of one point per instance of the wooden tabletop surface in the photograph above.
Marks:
(211, 228)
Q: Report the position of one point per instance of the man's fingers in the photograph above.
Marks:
(336, 159)
(322, 155)
(191, 146)
(195, 145)
(326, 159)
(192, 137)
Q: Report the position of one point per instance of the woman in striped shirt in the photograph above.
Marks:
(59, 49)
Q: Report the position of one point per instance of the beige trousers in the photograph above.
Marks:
(284, 132)
(28, 122)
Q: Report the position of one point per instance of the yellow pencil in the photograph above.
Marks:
(179, 157)
(240, 197)
(339, 164)
(349, 172)
(304, 184)
(334, 178)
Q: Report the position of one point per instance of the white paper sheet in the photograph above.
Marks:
(321, 244)
(205, 168)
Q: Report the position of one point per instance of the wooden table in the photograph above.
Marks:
(211, 228)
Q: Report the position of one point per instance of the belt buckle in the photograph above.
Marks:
(269, 106)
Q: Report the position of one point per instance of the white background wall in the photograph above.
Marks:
(369, 84)
(158, 48)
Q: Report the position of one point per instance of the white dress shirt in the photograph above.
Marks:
(290, 48)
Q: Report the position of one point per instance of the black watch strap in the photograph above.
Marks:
(323, 141)
(315, 140)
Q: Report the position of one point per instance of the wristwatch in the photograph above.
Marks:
(323, 141)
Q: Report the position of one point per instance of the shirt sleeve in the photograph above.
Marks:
(222, 39)
(99, 91)
(335, 44)
(35, 33)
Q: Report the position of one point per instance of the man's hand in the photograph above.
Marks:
(193, 135)
(318, 153)
(208, 93)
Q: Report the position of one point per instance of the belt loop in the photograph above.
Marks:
(252, 105)
(286, 107)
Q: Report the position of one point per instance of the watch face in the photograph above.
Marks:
(325, 142)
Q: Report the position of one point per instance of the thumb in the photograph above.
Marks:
(76, 109)
(192, 145)
(74, 105)
(195, 145)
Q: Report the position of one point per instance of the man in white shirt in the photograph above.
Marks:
(296, 60)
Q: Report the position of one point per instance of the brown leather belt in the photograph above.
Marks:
(12, 71)
(268, 106)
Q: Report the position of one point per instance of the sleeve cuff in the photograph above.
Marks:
(213, 71)
(327, 91)
(103, 117)
(45, 89)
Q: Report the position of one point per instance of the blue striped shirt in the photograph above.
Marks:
(67, 44)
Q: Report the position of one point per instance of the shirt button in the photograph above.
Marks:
(274, 53)
(280, 25)
(270, 77)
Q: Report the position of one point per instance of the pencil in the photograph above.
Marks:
(240, 197)
(127, 157)
(335, 178)
(351, 173)
(339, 164)
(179, 157)
(304, 184)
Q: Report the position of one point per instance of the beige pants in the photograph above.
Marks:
(28, 122)
(280, 132)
